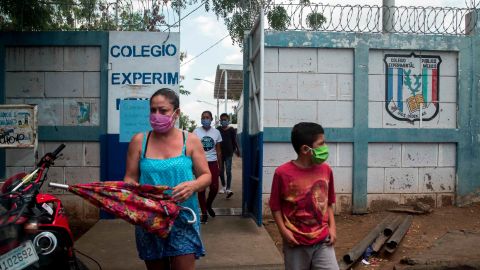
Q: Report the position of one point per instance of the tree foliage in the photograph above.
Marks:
(46, 15)
(139, 15)
(186, 123)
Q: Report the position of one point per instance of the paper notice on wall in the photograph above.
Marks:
(134, 118)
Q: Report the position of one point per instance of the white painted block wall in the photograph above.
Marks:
(399, 172)
(59, 80)
(314, 85)
(378, 116)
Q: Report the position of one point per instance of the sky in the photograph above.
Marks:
(201, 29)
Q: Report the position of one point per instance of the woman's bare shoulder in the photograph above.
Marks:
(137, 139)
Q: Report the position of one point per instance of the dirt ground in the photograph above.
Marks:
(423, 232)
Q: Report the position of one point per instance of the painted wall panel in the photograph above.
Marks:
(447, 153)
(376, 180)
(270, 114)
(335, 61)
(401, 180)
(317, 86)
(297, 60)
(81, 59)
(15, 59)
(289, 113)
(342, 179)
(44, 58)
(384, 155)
(345, 86)
(419, 155)
(24, 84)
(91, 84)
(50, 110)
(280, 86)
(335, 113)
(271, 60)
(64, 84)
(437, 179)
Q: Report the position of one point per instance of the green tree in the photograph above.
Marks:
(35, 15)
(185, 123)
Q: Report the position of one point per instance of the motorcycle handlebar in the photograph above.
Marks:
(58, 150)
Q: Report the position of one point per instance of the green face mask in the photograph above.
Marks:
(319, 154)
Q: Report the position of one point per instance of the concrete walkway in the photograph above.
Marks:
(231, 242)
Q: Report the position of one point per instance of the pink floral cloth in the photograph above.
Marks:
(145, 205)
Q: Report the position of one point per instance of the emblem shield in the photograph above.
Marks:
(412, 85)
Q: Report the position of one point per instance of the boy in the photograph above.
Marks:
(229, 146)
(301, 202)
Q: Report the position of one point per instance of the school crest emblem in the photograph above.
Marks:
(412, 85)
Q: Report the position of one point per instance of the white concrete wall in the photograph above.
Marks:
(401, 172)
(340, 159)
(378, 116)
(314, 85)
(61, 81)
(79, 163)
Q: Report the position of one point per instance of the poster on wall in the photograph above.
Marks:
(412, 86)
(140, 63)
(18, 126)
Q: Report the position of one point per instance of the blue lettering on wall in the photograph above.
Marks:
(143, 50)
(170, 78)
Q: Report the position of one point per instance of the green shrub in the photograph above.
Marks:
(315, 20)
(278, 18)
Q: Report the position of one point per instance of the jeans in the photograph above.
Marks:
(227, 165)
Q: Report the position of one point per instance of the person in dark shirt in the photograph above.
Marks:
(229, 146)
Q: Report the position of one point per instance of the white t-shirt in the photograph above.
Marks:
(209, 139)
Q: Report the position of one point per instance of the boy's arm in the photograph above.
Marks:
(332, 228)
(235, 144)
(286, 234)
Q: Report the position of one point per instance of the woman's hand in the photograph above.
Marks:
(184, 190)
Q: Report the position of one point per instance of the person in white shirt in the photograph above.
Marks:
(210, 138)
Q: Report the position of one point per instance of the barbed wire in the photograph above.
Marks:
(378, 19)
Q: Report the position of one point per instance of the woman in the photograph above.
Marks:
(169, 156)
(211, 139)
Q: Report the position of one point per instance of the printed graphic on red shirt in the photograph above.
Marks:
(303, 197)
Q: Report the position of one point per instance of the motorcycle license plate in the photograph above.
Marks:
(19, 258)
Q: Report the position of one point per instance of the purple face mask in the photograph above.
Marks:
(161, 123)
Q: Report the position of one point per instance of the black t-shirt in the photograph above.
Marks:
(228, 143)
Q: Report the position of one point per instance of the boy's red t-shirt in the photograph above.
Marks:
(302, 195)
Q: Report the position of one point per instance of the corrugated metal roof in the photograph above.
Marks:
(234, 81)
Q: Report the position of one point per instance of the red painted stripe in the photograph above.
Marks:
(434, 86)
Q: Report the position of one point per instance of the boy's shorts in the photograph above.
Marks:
(320, 256)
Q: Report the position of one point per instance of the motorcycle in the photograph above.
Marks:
(34, 228)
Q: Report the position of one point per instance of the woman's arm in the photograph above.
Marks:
(218, 148)
(200, 166)
(132, 172)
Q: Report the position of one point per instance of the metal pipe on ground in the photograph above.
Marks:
(393, 242)
(387, 232)
(357, 251)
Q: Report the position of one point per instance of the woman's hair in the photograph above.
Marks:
(209, 113)
(168, 94)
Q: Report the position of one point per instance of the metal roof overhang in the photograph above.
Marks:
(234, 81)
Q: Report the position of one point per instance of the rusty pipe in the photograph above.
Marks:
(393, 242)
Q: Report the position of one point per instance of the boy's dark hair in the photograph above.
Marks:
(305, 133)
(224, 115)
(169, 94)
(209, 113)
